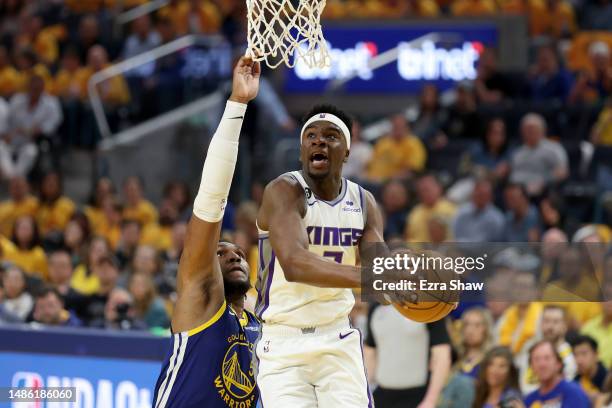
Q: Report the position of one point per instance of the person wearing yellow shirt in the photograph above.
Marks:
(160, 235)
(602, 130)
(9, 77)
(28, 255)
(398, 154)
(84, 280)
(54, 210)
(423, 8)
(192, 16)
(7, 248)
(518, 325)
(94, 211)
(28, 66)
(114, 91)
(551, 18)
(68, 83)
(42, 40)
(600, 327)
(20, 203)
(575, 283)
(335, 9)
(136, 207)
(109, 226)
(432, 204)
(473, 8)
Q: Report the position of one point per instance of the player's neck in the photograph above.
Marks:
(237, 305)
(327, 188)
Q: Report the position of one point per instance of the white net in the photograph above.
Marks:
(282, 29)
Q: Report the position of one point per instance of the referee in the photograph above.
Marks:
(409, 361)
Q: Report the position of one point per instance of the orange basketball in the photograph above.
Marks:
(435, 300)
(425, 312)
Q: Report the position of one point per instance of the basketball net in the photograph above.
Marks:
(279, 30)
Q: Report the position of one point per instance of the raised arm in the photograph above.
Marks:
(199, 281)
(281, 214)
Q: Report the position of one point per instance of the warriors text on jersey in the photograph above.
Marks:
(210, 366)
(334, 231)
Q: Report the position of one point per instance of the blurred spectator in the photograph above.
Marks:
(32, 115)
(42, 40)
(479, 220)
(473, 8)
(463, 121)
(605, 398)
(148, 307)
(29, 255)
(49, 310)
(428, 355)
(199, 17)
(554, 243)
(28, 66)
(136, 206)
(522, 221)
(9, 77)
(552, 210)
(591, 373)
(359, 157)
(109, 226)
(552, 18)
(399, 154)
(576, 283)
(431, 203)
(55, 209)
(60, 274)
(147, 261)
(519, 323)
(491, 156)
(172, 255)
(430, 115)
(601, 134)
(142, 39)
(492, 85)
(600, 327)
(69, 83)
(547, 80)
(497, 383)
(103, 189)
(91, 308)
(159, 235)
(594, 83)
(178, 192)
(119, 313)
(476, 339)
(422, 8)
(114, 91)
(128, 242)
(20, 203)
(597, 15)
(439, 229)
(547, 365)
(395, 202)
(76, 236)
(84, 280)
(87, 37)
(17, 301)
(538, 162)
(554, 325)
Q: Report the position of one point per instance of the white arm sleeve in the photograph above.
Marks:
(209, 204)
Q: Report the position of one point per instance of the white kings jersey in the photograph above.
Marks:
(334, 231)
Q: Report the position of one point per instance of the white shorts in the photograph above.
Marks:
(307, 368)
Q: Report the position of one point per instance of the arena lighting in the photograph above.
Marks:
(415, 62)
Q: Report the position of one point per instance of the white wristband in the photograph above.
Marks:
(209, 204)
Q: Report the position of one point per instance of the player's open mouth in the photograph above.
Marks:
(319, 160)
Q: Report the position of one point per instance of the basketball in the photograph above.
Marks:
(434, 297)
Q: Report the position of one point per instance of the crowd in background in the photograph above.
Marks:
(514, 157)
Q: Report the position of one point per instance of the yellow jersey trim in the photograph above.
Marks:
(210, 321)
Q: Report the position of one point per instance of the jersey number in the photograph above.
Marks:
(335, 255)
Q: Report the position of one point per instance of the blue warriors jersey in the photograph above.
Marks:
(210, 366)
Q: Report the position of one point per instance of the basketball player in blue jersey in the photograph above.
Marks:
(213, 336)
(311, 225)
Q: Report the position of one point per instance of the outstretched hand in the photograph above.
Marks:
(245, 83)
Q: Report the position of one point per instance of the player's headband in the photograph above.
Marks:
(328, 117)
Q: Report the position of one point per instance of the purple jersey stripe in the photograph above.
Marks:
(365, 370)
(266, 297)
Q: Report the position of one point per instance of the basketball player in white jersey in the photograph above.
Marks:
(311, 224)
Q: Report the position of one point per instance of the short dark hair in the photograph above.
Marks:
(327, 108)
(46, 290)
(585, 339)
